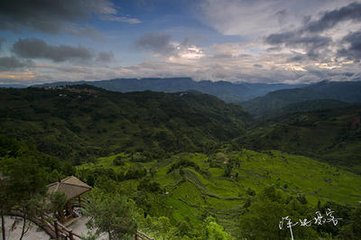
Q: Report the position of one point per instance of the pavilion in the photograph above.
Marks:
(73, 188)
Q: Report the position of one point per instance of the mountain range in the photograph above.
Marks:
(227, 91)
(322, 95)
(261, 100)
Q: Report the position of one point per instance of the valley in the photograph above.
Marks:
(188, 159)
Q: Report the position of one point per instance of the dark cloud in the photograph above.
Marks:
(296, 39)
(273, 49)
(2, 40)
(39, 49)
(308, 37)
(105, 57)
(311, 43)
(11, 63)
(351, 12)
(281, 16)
(156, 42)
(297, 58)
(161, 44)
(280, 38)
(353, 50)
(54, 16)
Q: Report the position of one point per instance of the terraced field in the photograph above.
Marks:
(199, 186)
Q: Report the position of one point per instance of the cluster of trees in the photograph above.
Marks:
(24, 175)
(22, 189)
(265, 210)
(112, 214)
(91, 175)
(183, 163)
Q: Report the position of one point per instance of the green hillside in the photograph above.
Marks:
(333, 135)
(188, 187)
(80, 122)
(298, 107)
(317, 95)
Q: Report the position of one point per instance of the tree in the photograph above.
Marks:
(57, 203)
(228, 170)
(214, 231)
(111, 213)
(118, 161)
(352, 230)
(221, 158)
(5, 202)
(356, 222)
(25, 185)
(8, 148)
(267, 209)
(160, 227)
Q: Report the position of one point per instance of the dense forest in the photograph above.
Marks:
(184, 165)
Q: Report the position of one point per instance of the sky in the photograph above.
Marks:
(269, 41)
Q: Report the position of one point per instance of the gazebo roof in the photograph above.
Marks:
(71, 186)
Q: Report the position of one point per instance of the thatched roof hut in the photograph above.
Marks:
(71, 186)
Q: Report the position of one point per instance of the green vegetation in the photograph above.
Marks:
(322, 95)
(330, 135)
(188, 188)
(182, 165)
(111, 214)
(82, 122)
(22, 187)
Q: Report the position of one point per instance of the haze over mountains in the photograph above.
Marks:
(261, 100)
(227, 91)
(323, 95)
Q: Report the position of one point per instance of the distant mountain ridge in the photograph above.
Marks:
(331, 93)
(14, 85)
(259, 99)
(227, 91)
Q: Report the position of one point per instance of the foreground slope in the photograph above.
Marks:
(188, 187)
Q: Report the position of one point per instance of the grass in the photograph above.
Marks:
(190, 195)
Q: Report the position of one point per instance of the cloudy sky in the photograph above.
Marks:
(288, 41)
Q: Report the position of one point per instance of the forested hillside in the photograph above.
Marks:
(81, 122)
(333, 135)
(317, 96)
